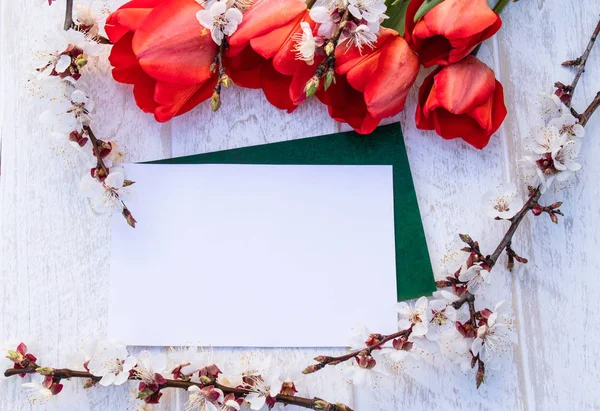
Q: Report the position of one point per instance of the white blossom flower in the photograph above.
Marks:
(550, 106)
(78, 359)
(149, 364)
(112, 362)
(261, 390)
(475, 277)
(305, 44)
(415, 317)
(200, 400)
(443, 319)
(360, 334)
(322, 16)
(87, 18)
(493, 337)
(64, 47)
(369, 10)
(568, 125)
(241, 5)
(37, 392)
(565, 159)
(504, 203)
(362, 371)
(66, 117)
(358, 36)
(221, 21)
(104, 196)
(191, 360)
(546, 139)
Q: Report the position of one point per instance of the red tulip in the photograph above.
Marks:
(162, 50)
(373, 85)
(463, 100)
(261, 52)
(451, 30)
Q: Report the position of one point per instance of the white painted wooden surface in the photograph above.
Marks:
(53, 249)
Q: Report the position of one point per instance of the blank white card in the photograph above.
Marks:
(253, 255)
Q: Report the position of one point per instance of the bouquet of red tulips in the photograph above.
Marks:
(358, 57)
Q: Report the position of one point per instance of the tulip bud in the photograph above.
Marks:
(311, 86)
(215, 101)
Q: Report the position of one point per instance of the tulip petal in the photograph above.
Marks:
(347, 105)
(268, 45)
(143, 92)
(174, 100)
(347, 57)
(172, 46)
(460, 18)
(128, 18)
(396, 71)
(263, 17)
(422, 118)
(126, 67)
(303, 73)
(244, 68)
(285, 60)
(462, 86)
(276, 87)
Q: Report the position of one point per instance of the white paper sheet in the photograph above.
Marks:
(253, 255)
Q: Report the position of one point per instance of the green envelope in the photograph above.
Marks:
(385, 146)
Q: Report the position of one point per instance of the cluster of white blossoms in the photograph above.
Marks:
(439, 331)
(221, 17)
(364, 18)
(68, 113)
(555, 150)
(112, 364)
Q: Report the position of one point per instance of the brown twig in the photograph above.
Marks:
(587, 114)
(322, 361)
(310, 403)
(97, 150)
(68, 15)
(332, 44)
(580, 63)
(515, 221)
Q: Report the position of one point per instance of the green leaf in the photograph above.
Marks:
(396, 10)
(425, 7)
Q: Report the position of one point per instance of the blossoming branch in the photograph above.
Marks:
(69, 118)
(454, 320)
(104, 363)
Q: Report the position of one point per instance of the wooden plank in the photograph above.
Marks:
(556, 294)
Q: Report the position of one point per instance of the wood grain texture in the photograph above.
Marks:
(53, 249)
